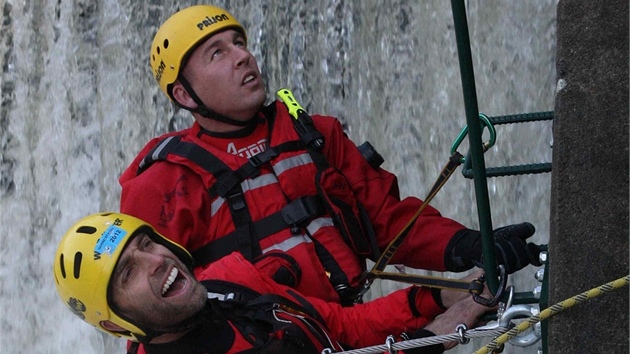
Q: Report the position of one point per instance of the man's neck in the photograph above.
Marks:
(215, 126)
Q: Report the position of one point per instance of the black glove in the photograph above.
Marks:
(464, 250)
(423, 333)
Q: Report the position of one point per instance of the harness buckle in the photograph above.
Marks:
(263, 157)
(300, 210)
(236, 201)
(234, 297)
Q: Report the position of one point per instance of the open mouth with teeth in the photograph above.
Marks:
(174, 284)
(248, 79)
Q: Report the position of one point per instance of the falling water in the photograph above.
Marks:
(78, 101)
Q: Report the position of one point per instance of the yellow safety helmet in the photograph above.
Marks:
(182, 33)
(85, 260)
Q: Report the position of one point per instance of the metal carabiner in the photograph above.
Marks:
(389, 342)
(367, 280)
(461, 331)
(487, 145)
(500, 289)
(521, 340)
(507, 304)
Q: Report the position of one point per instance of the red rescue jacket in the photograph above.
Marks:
(185, 203)
(329, 323)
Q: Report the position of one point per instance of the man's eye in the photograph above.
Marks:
(146, 244)
(127, 274)
(216, 53)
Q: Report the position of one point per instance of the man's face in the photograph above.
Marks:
(153, 288)
(225, 75)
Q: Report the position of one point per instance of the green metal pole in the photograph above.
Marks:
(474, 138)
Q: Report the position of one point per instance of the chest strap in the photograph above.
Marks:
(227, 179)
(247, 235)
(295, 215)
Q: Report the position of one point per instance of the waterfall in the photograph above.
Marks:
(79, 100)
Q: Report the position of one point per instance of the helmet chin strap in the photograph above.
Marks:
(206, 112)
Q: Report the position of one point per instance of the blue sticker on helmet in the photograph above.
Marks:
(109, 241)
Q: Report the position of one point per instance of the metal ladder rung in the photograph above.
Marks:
(514, 170)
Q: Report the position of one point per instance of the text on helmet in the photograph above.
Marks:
(160, 71)
(209, 21)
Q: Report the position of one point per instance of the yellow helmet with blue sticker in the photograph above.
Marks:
(85, 260)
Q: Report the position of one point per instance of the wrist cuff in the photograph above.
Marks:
(437, 297)
(423, 303)
(462, 250)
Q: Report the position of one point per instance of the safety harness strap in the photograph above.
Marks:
(227, 181)
(296, 214)
(251, 311)
(247, 235)
(231, 192)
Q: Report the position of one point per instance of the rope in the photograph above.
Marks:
(422, 342)
(554, 309)
(497, 330)
(453, 162)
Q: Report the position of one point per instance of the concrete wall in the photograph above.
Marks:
(589, 203)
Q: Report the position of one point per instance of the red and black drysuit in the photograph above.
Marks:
(248, 312)
(295, 213)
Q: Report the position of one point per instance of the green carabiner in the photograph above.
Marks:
(487, 145)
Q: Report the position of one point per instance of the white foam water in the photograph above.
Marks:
(78, 101)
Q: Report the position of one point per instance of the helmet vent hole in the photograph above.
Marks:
(166, 44)
(77, 264)
(86, 230)
(62, 267)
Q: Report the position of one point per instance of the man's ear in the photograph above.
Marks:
(112, 327)
(181, 96)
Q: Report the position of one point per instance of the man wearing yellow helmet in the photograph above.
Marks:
(118, 274)
(182, 43)
(295, 197)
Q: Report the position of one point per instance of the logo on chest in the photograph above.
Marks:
(249, 150)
